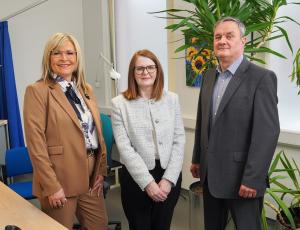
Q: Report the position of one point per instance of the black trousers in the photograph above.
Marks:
(141, 211)
(246, 213)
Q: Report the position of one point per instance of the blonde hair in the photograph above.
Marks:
(55, 42)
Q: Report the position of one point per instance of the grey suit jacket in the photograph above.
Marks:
(238, 148)
(132, 127)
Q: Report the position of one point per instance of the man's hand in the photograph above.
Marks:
(154, 192)
(247, 192)
(195, 170)
(58, 199)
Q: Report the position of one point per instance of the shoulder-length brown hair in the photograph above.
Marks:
(132, 91)
(55, 42)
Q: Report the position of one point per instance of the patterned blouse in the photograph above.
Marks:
(85, 117)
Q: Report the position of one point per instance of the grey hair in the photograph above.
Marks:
(240, 24)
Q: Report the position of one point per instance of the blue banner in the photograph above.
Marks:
(9, 105)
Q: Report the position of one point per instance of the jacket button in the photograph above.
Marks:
(160, 143)
(156, 121)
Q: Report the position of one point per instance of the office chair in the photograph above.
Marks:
(112, 165)
(17, 163)
(109, 139)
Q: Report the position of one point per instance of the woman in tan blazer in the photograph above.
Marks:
(64, 138)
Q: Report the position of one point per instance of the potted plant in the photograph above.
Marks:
(286, 198)
(259, 17)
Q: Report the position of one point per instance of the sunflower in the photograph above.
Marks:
(190, 53)
(206, 53)
(197, 65)
(194, 40)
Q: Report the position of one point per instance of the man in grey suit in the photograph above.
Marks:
(236, 133)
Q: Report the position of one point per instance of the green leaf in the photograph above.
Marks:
(258, 26)
(183, 47)
(168, 10)
(286, 163)
(275, 162)
(275, 178)
(171, 27)
(274, 37)
(181, 24)
(264, 219)
(263, 50)
(255, 59)
(289, 18)
(285, 34)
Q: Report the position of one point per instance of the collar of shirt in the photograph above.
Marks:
(233, 67)
(63, 83)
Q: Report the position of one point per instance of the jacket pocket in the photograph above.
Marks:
(55, 150)
(240, 156)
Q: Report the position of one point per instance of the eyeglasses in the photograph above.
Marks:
(140, 69)
(68, 53)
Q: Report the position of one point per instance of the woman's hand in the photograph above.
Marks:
(98, 185)
(58, 199)
(165, 186)
(154, 192)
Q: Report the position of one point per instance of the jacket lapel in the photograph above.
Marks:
(62, 100)
(207, 91)
(233, 85)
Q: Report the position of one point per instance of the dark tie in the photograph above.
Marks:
(73, 99)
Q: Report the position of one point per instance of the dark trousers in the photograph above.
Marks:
(246, 213)
(141, 211)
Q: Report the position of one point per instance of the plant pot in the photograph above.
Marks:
(283, 224)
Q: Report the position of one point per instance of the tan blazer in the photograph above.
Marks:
(55, 141)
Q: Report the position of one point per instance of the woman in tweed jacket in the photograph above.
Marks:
(150, 136)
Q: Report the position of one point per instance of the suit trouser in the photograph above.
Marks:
(246, 213)
(89, 210)
(141, 211)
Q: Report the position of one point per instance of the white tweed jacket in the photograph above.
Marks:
(133, 123)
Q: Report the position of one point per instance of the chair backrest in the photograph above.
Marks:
(107, 134)
(17, 162)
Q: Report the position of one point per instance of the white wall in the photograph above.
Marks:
(289, 101)
(136, 29)
(30, 30)
(96, 40)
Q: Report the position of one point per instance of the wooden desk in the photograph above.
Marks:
(14, 210)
